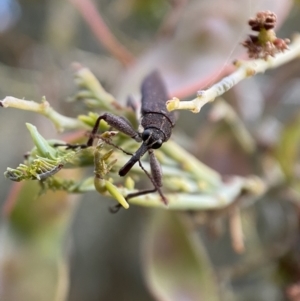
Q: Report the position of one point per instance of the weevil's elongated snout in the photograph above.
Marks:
(138, 154)
(153, 137)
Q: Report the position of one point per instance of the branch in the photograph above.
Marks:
(60, 121)
(94, 20)
(225, 194)
(244, 70)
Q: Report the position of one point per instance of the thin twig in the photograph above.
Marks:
(170, 21)
(95, 21)
(244, 70)
(60, 121)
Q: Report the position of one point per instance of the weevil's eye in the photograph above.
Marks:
(157, 144)
(146, 134)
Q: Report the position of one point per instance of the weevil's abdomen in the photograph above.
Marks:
(155, 96)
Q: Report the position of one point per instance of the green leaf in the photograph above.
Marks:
(45, 150)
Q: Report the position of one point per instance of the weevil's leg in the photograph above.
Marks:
(131, 103)
(119, 123)
(115, 209)
(155, 184)
(155, 168)
(139, 193)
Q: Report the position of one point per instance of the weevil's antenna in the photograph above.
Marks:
(116, 208)
(108, 141)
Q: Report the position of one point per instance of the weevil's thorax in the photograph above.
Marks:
(159, 126)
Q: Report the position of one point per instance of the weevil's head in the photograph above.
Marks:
(153, 138)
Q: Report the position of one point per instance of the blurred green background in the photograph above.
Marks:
(73, 248)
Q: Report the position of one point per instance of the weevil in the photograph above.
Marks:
(155, 128)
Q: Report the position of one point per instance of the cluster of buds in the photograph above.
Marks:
(265, 43)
